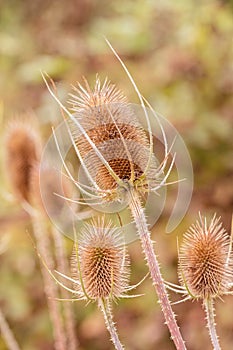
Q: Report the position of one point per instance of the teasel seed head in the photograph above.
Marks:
(100, 264)
(205, 260)
(111, 124)
(23, 149)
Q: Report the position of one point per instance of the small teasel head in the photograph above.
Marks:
(22, 151)
(100, 264)
(205, 260)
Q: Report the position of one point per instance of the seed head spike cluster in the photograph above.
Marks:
(205, 260)
(99, 262)
(110, 122)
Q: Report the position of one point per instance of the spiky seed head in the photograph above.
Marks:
(111, 123)
(104, 264)
(22, 147)
(205, 259)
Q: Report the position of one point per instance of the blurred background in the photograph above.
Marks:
(180, 54)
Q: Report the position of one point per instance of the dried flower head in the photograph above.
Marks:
(111, 124)
(23, 146)
(205, 260)
(115, 151)
(99, 263)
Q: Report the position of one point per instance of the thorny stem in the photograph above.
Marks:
(7, 334)
(63, 267)
(147, 245)
(106, 310)
(209, 309)
(50, 289)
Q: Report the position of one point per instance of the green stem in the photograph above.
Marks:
(147, 245)
(210, 316)
(105, 307)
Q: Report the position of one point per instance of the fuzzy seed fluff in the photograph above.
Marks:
(205, 259)
(104, 264)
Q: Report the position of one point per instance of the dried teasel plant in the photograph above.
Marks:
(23, 147)
(117, 158)
(99, 270)
(206, 267)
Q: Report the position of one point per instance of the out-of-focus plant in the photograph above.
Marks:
(23, 151)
